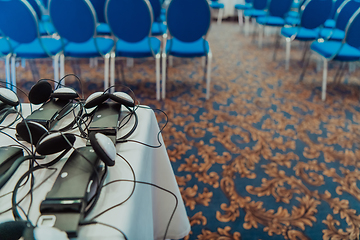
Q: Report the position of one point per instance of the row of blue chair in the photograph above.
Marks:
(324, 25)
(130, 23)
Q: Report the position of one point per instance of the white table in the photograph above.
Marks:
(145, 215)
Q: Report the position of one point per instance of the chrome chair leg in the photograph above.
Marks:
(106, 71)
(163, 81)
(13, 73)
(240, 17)
(56, 70)
(157, 60)
(247, 26)
(7, 71)
(220, 15)
(287, 54)
(323, 89)
(112, 71)
(208, 72)
(62, 65)
(261, 35)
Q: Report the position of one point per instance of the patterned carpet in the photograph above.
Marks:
(264, 158)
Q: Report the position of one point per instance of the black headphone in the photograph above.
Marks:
(123, 98)
(42, 92)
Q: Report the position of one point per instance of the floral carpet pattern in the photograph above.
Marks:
(264, 157)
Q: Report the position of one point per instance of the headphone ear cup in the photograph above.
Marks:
(55, 142)
(14, 230)
(103, 147)
(40, 92)
(36, 130)
(9, 97)
(122, 98)
(96, 99)
(65, 93)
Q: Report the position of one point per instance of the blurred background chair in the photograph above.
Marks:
(312, 15)
(19, 22)
(214, 4)
(344, 12)
(258, 9)
(240, 10)
(6, 49)
(275, 17)
(188, 30)
(78, 33)
(131, 22)
(102, 28)
(330, 22)
(347, 50)
(45, 26)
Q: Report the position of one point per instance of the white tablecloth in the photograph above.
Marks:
(145, 215)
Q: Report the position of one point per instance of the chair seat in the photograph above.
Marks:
(302, 34)
(332, 34)
(183, 49)
(330, 23)
(89, 49)
(216, 5)
(293, 21)
(243, 6)
(158, 29)
(103, 29)
(329, 48)
(293, 14)
(254, 13)
(271, 21)
(35, 50)
(139, 49)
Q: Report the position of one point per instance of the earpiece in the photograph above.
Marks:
(35, 129)
(96, 99)
(55, 142)
(40, 92)
(122, 98)
(103, 147)
(65, 93)
(8, 97)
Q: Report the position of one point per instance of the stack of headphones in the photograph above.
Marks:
(38, 130)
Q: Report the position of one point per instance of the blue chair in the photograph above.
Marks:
(214, 4)
(78, 33)
(346, 51)
(45, 26)
(275, 17)
(241, 8)
(19, 22)
(130, 22)
(293, 16)
(258, 9)
(331, 22)
(188, 29)
(102, 28)
(312, 15)
(158, 27)
(344, 13)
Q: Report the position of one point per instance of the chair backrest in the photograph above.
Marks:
(156, 9)
(344, 13)
(279, 8)
(260, 4)
(74, 20)
(18, 21)
(99, 6)
(336, 5)
(314, 13)
(188, 20)
(248, 1)
(352, 33)
(129, 20)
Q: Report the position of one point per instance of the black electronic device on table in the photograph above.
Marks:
(7, 157)
(76, 187)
